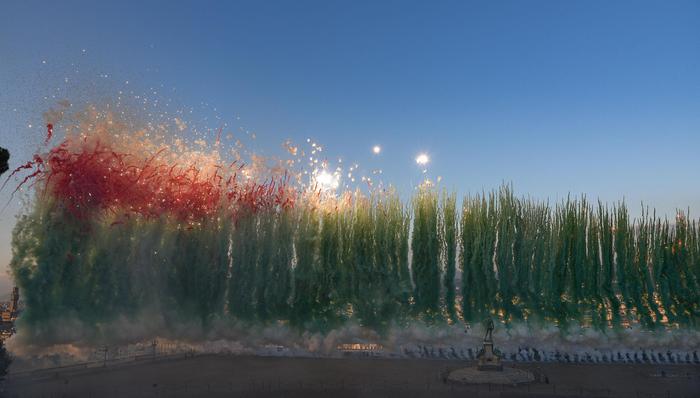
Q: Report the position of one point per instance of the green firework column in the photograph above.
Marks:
(387, 231)
(403, 236)
(366, 287)
(426, 253)
(646, 305)
(467, 243)
(449, 217)
(244, 253)
(47, 263)
(305, 274)
(266, 243)
(327, 294)
(693, 244)
(346, 265)
(282, 257)
(592, 279)
(198, 270)
(504, 259)
(607, 289)
(680, 273)
(622, 256)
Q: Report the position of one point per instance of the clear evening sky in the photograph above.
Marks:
(584, 97)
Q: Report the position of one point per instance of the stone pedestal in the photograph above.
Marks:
(488, 359)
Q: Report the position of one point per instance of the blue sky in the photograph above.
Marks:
(593, 97)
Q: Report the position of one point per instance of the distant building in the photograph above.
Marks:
(361, 349)
(9, 311)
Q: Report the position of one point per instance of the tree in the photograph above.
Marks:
(4, 159)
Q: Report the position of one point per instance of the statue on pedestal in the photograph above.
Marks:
(489, 358)
(489, 369)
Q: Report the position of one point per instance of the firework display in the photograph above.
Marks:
(577, 262)
(122, 223)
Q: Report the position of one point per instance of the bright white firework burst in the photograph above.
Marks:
(326, 181)
(422, 159)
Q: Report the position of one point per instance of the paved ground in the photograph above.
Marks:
(237, 376)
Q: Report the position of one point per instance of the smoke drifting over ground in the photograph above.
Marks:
(517, 344)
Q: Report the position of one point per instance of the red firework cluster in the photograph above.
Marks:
(90, 177)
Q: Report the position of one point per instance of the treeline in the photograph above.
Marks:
(372, 259)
